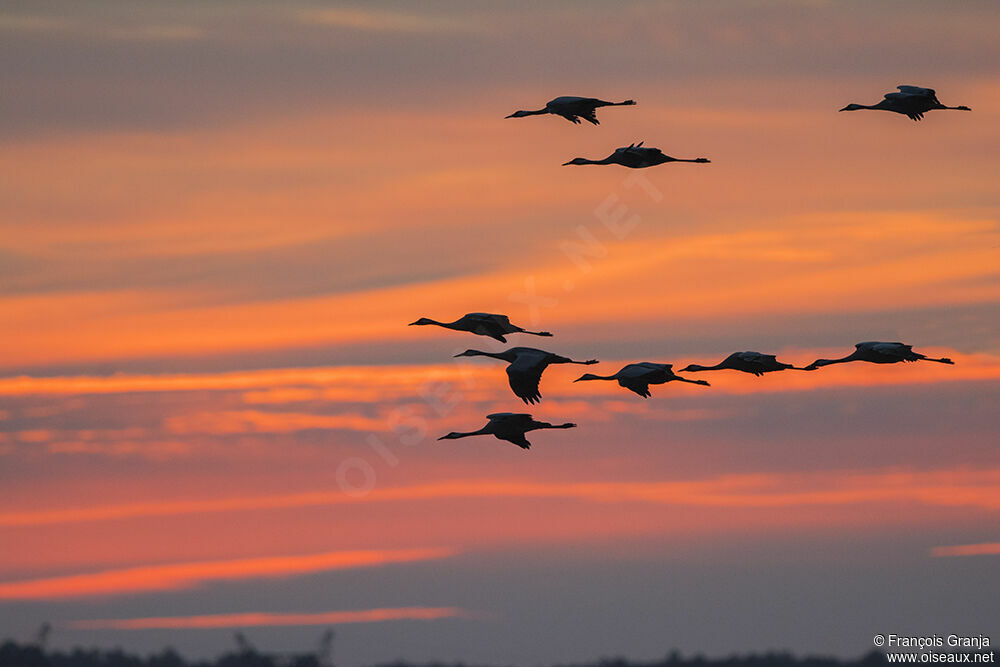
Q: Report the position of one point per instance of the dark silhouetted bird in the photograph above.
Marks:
(911, 101)
(525, 366)
(637, 377)
(573, 108)
(635, 156)
(483, 324)
(508, 426)
(878, 353)
(748, 362)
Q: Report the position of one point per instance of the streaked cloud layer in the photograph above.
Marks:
(258, 619)
(186, 575)
(958, 487)
(987, 549)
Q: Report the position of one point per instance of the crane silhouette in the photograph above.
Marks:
(637, 377)
(508, 426)
(911, 101)
(484, 324)
(748, 362)
(878, 353)
(572, 108)
(635, 156)
(525, 367)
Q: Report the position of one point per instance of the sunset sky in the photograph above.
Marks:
(217, 219)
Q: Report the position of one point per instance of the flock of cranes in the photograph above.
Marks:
(525, 365)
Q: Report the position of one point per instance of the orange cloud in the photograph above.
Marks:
(371, 383)
(154, 450)
(985, 549)
(254, 619)
(948, 488)
(252, 421)
(802, 260)
(342, 381)
(188, 575)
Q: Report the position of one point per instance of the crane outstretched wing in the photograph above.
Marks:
(636, 385)
(501, 322)
(895, 350)
(520, 441)
(510, 417)
(637, 377)
(489, 324)
(912, 104)
(524, 375)
(482, 317)
(637, 370)
(917, 90)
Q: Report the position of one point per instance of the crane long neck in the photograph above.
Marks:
(697, 367)
(465, 434)
(830, 362)
(496, 355)
(591, 376)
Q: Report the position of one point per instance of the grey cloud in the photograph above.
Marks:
(309, 269)
(241, 60)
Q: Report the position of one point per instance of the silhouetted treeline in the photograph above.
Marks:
(13, 654)
(29, 655)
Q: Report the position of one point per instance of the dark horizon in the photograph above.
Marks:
(14, 654)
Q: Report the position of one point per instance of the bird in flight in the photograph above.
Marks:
(635, 156)
(508, 426)
(911, 101)
(573, 108)
(524, 369)
(878, 353)
(748, 362)
(484, 324)
(637, 377)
